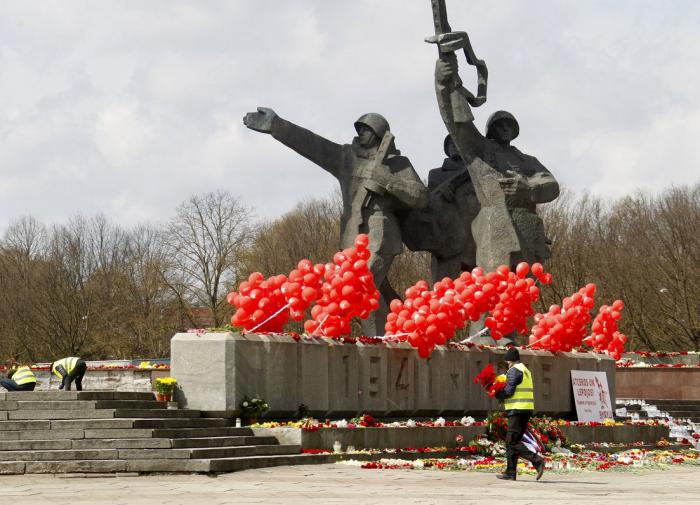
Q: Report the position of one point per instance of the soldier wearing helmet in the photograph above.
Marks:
(376, 185)
(524, 181)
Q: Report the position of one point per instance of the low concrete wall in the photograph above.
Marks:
(112, 380)
(418, 437)
(658, 383)
(216, 370)
(615, 434)
(373, 438)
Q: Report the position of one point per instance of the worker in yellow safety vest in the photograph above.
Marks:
(69, 370)
(19, 378)
(518, 398)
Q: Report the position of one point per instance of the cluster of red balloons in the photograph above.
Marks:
(563, 327)
(426, 318)
(605, 335)
(257, 300)
(303, 287)
(517, 294)
(349, 291)
(429, 318)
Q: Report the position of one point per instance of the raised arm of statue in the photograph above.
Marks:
(321, 151)
(451, 96)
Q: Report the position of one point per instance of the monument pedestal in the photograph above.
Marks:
(216, 370)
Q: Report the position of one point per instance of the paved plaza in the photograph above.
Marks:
(336, 484)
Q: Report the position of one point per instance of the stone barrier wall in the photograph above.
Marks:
(112, 380)
(216, 370)
(659, 383)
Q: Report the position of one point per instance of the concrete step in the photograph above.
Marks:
(35, 445)
(24, 425)
(122, 443)
(131, 404)
(61, 414)
(59, 455)
(82, 404)
(236, 464)
(119, 433)
(90, 424)
(181, 443)
(183, 423)
(77, 466)
(201, 432)
(154, 413)
(209, 453)
(75, 395)
(47, 434)
(244, 450)
(160, 465)
(45, 405)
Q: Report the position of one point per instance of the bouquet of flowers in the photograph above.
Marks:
(492, 383)
(253, 408)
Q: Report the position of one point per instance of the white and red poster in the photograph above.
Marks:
(591, 395)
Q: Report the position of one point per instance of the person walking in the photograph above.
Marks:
(69, 370)
(519, 402)
(19, 378)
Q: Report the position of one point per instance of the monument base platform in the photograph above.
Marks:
(333, 379)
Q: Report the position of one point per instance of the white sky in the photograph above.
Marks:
(128, 107)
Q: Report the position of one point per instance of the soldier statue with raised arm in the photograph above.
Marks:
(376, 183)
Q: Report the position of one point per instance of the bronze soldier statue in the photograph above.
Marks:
(376, 183)
(444, 227)
(525, 182)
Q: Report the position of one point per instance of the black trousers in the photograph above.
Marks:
(517, 426)
(11, 385)
(76, 375)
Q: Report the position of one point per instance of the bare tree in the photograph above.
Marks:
(205, 239)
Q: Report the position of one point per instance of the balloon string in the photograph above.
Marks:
(477, 334)
(321, 326)
(268, 319)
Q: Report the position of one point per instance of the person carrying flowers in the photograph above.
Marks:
(69, 370)
(518, 398)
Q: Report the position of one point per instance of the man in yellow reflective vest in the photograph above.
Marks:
(518, 398)
(19, 378)
(69, 370)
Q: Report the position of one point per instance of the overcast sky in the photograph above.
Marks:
(128, 107)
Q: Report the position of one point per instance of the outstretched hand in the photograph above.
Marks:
(260, 121)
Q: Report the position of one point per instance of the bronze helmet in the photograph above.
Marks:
(376, 122)
(502, 115)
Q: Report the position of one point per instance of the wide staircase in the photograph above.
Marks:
(126, 432)
(683, 416)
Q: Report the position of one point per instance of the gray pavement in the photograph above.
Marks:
(336, 484)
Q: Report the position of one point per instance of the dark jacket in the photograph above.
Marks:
(513, 378)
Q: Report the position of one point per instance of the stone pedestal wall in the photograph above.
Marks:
(216, 370)
(659, 383)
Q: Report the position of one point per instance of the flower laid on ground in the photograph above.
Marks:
(253, 408)
(166, 385)
(631, 460)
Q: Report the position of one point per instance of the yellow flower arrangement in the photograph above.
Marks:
(165, 385)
